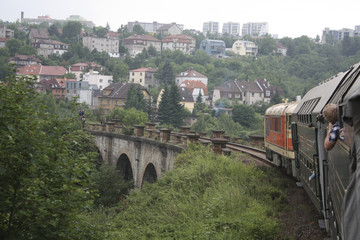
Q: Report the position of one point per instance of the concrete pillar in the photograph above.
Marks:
(202, 134)
(218, 133)
(192, 137)
(165, 134)
(184, 130)
(109, 126)
(218, 144)
(184, 140)
(139, 130)
(150, 125)
(117, 122)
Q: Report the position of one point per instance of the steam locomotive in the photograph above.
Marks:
(294, 135)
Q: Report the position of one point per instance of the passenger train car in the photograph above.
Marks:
(325, 175)
(277, 136)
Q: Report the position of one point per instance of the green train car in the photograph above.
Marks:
(325, 175)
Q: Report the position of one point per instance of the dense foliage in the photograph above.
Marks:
(45, 166)
(206, 196)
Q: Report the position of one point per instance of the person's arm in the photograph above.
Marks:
(328, 145)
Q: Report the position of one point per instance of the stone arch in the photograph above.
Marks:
(124, 167)
(149, 174)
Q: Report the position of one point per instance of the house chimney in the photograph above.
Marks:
(22, 17)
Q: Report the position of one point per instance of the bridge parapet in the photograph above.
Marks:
(185, 136)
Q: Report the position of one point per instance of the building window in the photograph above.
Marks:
(229, 95)
(267, 93)
(100, 80)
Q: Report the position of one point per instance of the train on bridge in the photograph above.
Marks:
(294, 138)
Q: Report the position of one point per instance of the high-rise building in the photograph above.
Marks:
(333, 36)
(255, 28)
(211, 27)
(231, 28)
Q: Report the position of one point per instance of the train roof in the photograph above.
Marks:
(316, 98)
(281, 109)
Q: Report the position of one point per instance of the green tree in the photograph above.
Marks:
(135, 98)
(54, 29)
(244, 114)
(111, 186)
(164, 106)
(267, 45)
(100, 31)
(14, 46)
(27, 50)
(166, 73)
(176, 113)
(120, 71)
(71, 32)
(44, 173)
(137, 29)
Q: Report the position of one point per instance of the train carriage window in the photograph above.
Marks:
(306, 110)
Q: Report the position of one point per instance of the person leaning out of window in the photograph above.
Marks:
(330, 113)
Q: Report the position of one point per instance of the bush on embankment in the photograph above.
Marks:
(206, 196)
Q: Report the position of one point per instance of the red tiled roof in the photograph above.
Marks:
(42, 70)
(191, 85)
(178, 38)
(53, 70)
(24, 57)
(144, 70)
(3, 39)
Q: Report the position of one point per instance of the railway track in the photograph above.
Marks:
(258, 154)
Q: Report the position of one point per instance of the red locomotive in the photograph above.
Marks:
(278, 140)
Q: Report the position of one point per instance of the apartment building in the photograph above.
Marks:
(109, 45)
(333, 36)
(231, 28)
(144, 76)
(6, 33)
(255, 28)
(214, 48)
(210, 27)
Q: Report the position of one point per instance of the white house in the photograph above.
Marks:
(101, 81)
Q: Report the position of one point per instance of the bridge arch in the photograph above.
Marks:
(149, 174)
(124, 167)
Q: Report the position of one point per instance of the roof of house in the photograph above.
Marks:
(178, 38)
(191, 85)
(144, 70)
(191, 73)
(3, 39)
(142, 37)
(186, 95)
(113, 34)
(252, 87)
(89, 64)
(39, 33)
(24, 58)
(118, 90)
(52, 42)
(42, 70)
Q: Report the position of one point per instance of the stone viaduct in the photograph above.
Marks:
(148, 152)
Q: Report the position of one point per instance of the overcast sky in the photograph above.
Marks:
(285, 17)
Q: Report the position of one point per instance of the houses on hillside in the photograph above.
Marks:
(144, 76)
(246, 92)
(114, 96)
